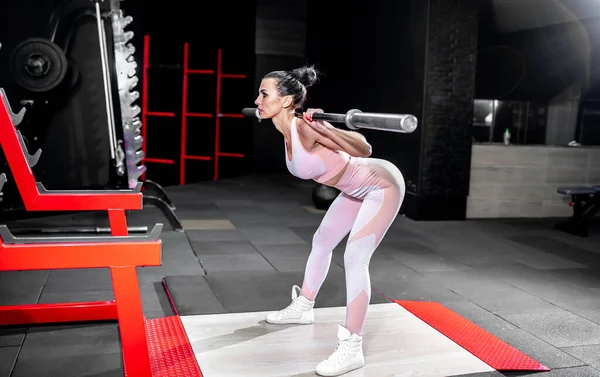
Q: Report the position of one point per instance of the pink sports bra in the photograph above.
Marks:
(320, 166)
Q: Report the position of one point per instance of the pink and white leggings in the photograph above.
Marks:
(372, 191)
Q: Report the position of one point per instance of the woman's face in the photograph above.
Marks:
(269, 101)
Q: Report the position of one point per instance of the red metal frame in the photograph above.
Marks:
(183, 157)
(36, 201)
(218, 115)
(145, 112)
(121, 258)
(218, 152)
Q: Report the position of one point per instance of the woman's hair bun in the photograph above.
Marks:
(307, 75)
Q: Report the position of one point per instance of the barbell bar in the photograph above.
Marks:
(356, 119)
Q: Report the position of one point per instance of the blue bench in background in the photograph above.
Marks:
(586, 203)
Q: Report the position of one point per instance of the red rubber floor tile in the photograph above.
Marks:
(171, 353)
(485, 346)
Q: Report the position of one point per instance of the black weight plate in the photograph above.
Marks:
(51, 70)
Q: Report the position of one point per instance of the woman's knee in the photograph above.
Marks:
(358, 253)
(326, 236)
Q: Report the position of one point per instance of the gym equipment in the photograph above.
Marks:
(356, 119)
(133, 140)
(38, 65)
(42, 67)
(323, 196)
(121, 253)
(586, 203)
(185, 113)
(76, 229)
(116, 149)
(16, 118)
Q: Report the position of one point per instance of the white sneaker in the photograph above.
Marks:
(299, 312)
(347, 356)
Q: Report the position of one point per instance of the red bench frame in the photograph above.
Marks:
(120, 254)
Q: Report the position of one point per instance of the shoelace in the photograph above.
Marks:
(340, 352)
(290, 307)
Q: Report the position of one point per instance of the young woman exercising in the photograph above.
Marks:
(372, 191)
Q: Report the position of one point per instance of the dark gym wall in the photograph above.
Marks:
(408, 56)
(372, 58)
(280, 45)
(537, 64)
(446, 144)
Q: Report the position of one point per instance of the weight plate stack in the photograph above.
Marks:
(38, 65)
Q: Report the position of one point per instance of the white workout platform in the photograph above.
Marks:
(396, 343)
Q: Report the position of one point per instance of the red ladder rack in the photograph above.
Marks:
(185, 113)
(145, 112)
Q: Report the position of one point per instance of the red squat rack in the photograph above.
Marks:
(145, 344)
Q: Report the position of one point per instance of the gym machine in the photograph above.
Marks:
(150, 347)
(47, 78)
(585, 201)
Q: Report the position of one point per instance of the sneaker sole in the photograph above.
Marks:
(291, 322)
(348, 369)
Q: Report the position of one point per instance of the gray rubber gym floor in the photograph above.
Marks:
(246, 243)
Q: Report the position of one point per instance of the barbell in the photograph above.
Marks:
(355, 119)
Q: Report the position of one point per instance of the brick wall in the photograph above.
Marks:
(449, 94)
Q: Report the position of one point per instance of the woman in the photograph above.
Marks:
(372, 191)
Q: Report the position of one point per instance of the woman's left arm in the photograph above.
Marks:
(351, 142)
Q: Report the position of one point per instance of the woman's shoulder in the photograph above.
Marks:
(306, 133)
(303, 128)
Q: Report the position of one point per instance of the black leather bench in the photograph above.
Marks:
(586, 203)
